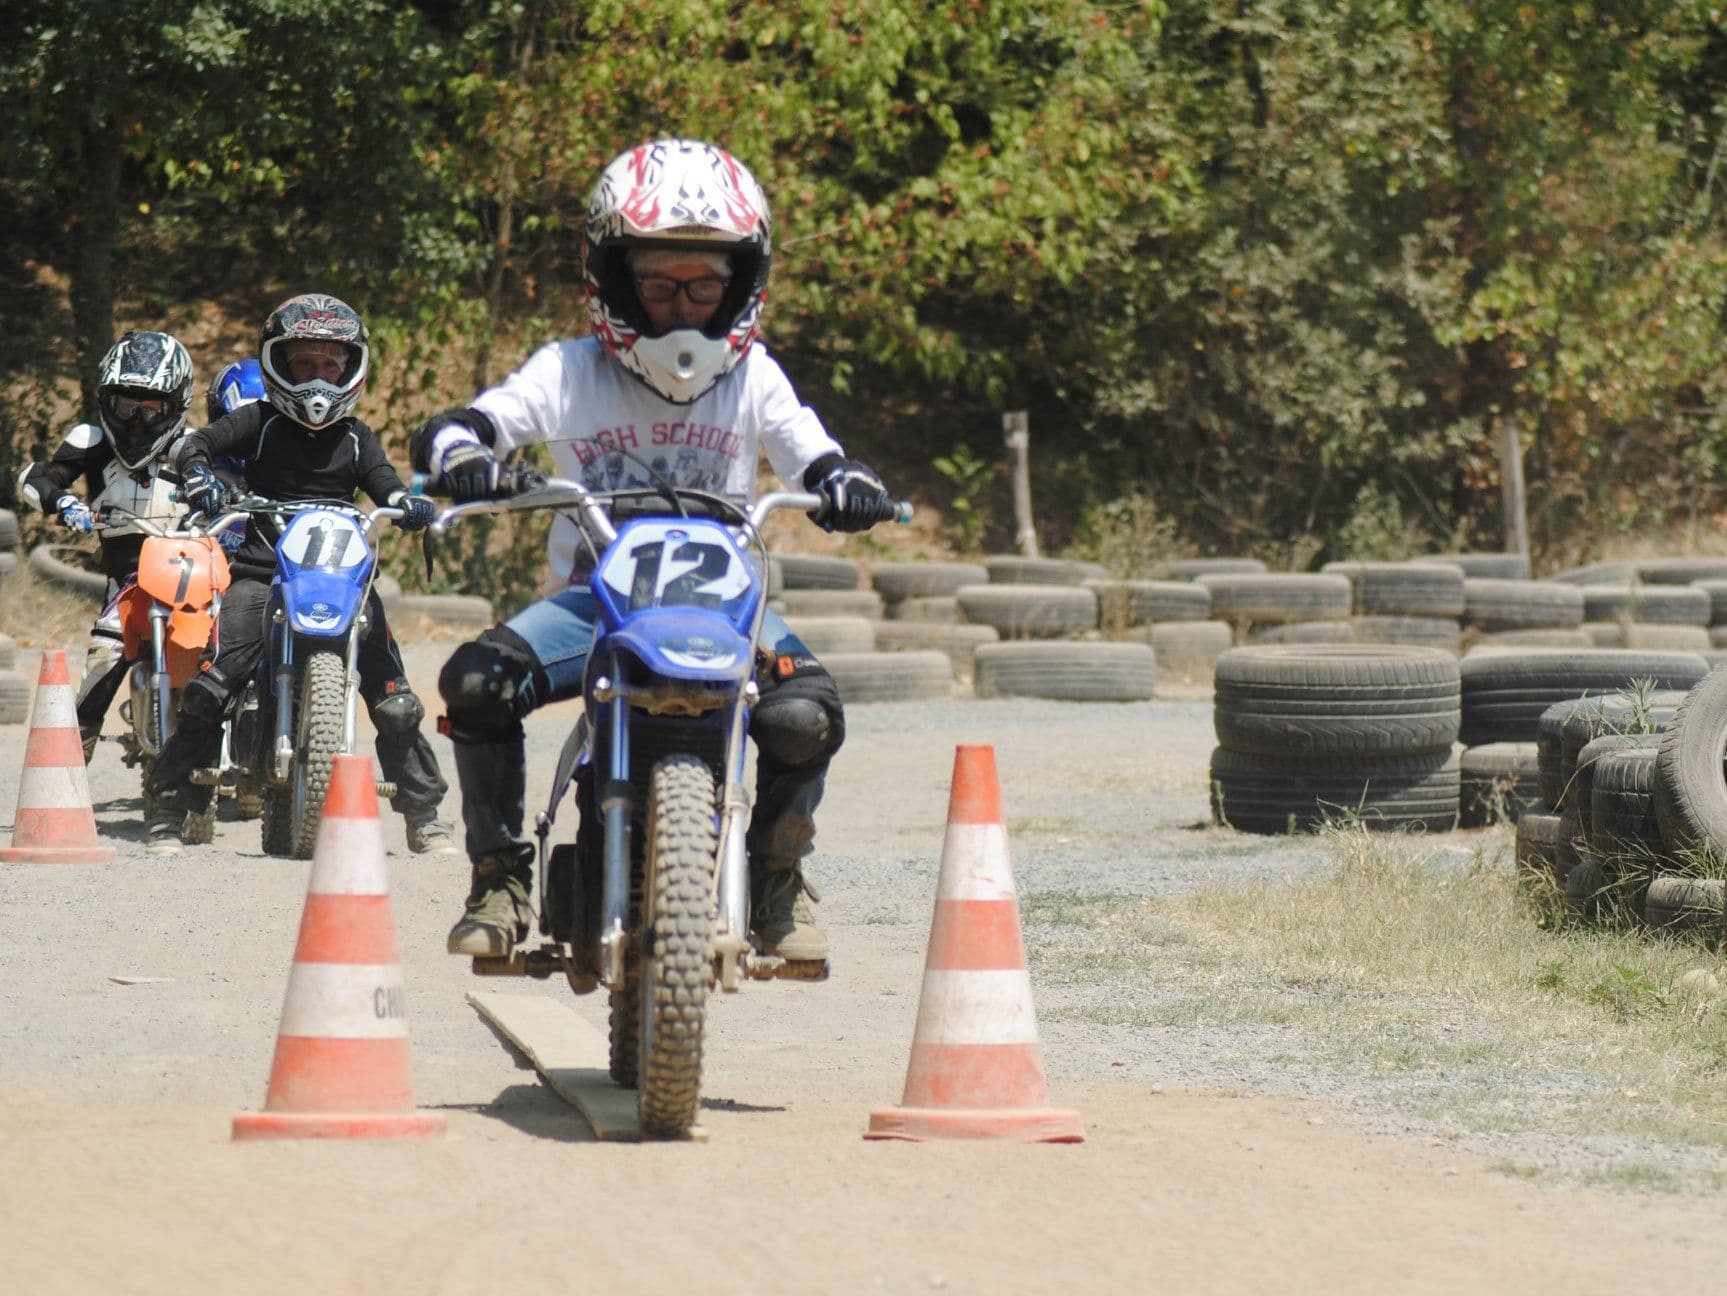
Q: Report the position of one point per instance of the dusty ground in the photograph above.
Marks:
(115, 1100)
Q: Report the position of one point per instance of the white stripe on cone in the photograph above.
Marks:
(980, 868)
(54, 708)
(55, 787)
(349, 859)
(345, 1001)
(976, 1008)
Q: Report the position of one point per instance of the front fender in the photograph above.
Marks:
(321, 605)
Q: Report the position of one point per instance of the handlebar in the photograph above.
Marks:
(526, 490)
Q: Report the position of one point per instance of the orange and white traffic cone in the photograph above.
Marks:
(55, 822)
(342, 1067)
(976, 1065)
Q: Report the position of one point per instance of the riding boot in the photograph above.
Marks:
(499, 909)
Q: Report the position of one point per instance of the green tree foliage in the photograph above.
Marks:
(1273, 270)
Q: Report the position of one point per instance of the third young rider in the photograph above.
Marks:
(676, 268)
(143, 392)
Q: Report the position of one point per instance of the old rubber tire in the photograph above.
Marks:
(16, 693)
(1537, 847)
(449, 609)
(1622, 826)
(1068, 672)
(1683, 605)
(1504, 693)
(1338, 700)
(1497, 784)
(819, 572)
(1690, 790)
(57, 564)
(1125, 603)
(9, 534)
(932, 609)
(677, 933)
(1638, 634)
(903, 580)
(1188, 651)
(1194, 568)
(1424, 631)
(959, 643)
(1274, 597)
(1685, 904)
(323, 704)
(890, 676)
(1520, 605)
(1403, 589)
(8, 653)
(1502, 566)
(1680, 571)
(832, 602)
(831, 634)
(1273, 794)
(1302, 632)
(1015, 569)
(1029, 611)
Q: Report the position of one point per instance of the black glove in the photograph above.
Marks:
(205, 492)
(417, 512)
(469, 472)
(856, 498)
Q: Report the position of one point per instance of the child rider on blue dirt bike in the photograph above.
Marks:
(676, 268)
(300, 443)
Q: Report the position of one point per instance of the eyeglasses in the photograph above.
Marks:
(663, 289)
(126, 406)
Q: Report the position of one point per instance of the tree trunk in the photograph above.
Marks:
(93, 254)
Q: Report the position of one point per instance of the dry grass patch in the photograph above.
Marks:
(1414, 976)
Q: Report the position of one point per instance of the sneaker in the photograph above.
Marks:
(784, 917)
(497, 914)
(430, 836)
(164, 832)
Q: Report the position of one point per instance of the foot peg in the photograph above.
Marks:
(386, 791)
(209, 776)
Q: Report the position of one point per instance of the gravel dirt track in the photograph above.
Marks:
(115, 1100)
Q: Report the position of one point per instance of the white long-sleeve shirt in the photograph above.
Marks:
(594, 415)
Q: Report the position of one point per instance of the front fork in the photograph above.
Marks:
(161, 686)
(282, 691)
(732, 939)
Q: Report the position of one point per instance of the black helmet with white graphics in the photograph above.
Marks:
(143, 393)
(313, 351)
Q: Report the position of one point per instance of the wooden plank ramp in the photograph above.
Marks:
(570, 1055)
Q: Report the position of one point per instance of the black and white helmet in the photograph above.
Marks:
(143, 393)
(316, 318)
(684, 194)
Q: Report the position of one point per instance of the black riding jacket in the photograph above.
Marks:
(87, 453)
(286, 460)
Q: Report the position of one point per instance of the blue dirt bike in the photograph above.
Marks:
(301, 710)
(654, 905)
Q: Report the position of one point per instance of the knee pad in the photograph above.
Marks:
(800, 720)
(206, 698)
(399, 712)
(482, 686)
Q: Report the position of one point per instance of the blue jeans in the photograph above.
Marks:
(558, 632)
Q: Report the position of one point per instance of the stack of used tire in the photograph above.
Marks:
(827, 604)
(1172, 617)
(1283, 607)
(1594, 837)
(1407, 603)
(1505, 691)
(1635, 824)
(1501, 611)
(15, 689)
(1046, 618)
(1638, 615)
(1315, 733)
(923, 614)
(1716, 589)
